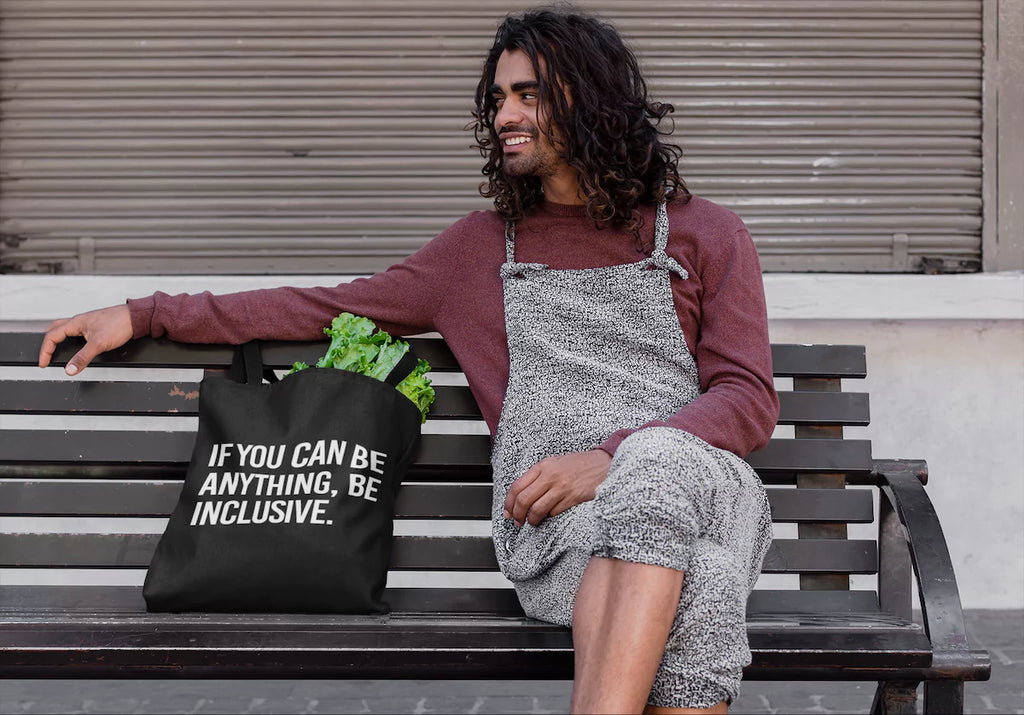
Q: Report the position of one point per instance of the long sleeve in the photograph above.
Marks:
(402, 300)
(738, 407)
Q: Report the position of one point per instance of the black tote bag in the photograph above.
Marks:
(288, 502)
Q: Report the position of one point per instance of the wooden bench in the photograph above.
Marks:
(82, 506)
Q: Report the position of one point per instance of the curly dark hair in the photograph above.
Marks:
(596, 98)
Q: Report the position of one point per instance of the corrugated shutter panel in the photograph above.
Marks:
(235, 136)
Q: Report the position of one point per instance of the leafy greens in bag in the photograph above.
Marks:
(356, 347)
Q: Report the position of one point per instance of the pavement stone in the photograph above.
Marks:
(1000, 632)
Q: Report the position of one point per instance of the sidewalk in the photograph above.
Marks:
(1000, 632)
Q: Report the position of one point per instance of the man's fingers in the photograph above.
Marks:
(535, 501)
(518, 504)
(46, 351)
(555, 485)
(564, 504)
(541, 508)
(520, 508)
(103, 330)
(529, 476)
(81, 359)
(54, 335)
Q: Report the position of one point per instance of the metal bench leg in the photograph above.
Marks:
(895, 697)
(943, 696)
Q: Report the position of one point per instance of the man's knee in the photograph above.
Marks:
(671, 461)
(659, 475)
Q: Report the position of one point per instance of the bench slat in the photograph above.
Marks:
(69, 397)
(824, 408)
(780, 457)
(73, 397)
(415, 501)
(418, 553)
(822, 505)
(500, 601)
(771, 601)
(412, 646)
(819, 361)
(463, 553)
(497, 601)
(21, 349)
(850, 556)
(152, 499)
(179, 399)
(791, 456)
(785, 456)
(128, 600)
(81, 498)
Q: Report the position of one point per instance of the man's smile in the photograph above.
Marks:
(513, 137)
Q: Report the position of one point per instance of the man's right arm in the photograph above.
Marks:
(402, 300)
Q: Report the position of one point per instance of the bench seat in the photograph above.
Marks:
(104, 623)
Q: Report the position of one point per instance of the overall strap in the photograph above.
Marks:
(510, 241)
(661, 228)
(659, 257)
(511, 269)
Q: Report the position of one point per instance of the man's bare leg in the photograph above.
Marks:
(621, 621)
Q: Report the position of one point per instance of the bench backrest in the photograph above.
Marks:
(90, 468)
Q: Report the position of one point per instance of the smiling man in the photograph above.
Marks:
(612, 328)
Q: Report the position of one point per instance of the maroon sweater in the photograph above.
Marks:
(452, 286)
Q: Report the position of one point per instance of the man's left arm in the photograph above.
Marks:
(737, 408)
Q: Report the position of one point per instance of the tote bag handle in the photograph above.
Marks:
(402, 369)
(247, 366)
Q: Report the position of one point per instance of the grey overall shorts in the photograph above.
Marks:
(594, 351)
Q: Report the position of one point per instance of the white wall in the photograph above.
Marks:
(951, 392)
(946, 377)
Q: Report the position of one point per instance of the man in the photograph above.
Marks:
(612, 328)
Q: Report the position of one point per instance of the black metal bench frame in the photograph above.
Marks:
(817, 480)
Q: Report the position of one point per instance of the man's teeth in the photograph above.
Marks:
(512, 141)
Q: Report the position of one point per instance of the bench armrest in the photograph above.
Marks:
(901, 485)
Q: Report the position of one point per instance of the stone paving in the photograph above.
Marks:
(1000, 632)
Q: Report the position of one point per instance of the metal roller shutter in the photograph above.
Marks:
(264, 136)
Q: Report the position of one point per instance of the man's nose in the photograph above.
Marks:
(510, 113)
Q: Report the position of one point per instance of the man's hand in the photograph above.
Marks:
(556, 484)
(103, 330)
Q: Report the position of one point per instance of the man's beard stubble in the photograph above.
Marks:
(541, 161)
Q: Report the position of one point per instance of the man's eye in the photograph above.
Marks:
(529, 96)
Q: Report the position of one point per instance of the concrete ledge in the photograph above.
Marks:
(980, 296)
(791, 296)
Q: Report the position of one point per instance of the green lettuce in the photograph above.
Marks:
(358, 346)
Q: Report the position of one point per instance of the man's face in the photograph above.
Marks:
(526, 149)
